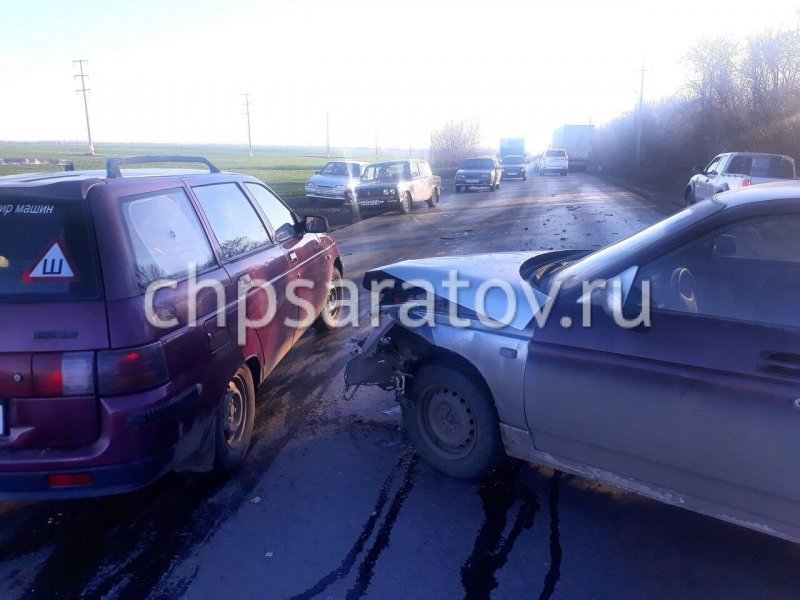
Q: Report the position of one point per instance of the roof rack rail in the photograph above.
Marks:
(47, 162)
(113, 164)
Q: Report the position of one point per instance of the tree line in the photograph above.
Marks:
(740, 95)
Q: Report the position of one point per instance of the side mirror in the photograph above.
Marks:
(697, 170)
(312, 224)
(316, 172)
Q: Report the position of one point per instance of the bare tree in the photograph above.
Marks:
(454, 142)
(740, 95)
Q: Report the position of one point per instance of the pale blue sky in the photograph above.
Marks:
(174, 71)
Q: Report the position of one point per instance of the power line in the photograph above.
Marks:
(249, 137)
(83, 76)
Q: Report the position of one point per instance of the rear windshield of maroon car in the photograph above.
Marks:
(47, 251)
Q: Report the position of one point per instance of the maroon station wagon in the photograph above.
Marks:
(95, 396)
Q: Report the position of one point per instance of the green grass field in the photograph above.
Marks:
(284, 169)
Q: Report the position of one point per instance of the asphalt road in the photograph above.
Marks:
(333, 503)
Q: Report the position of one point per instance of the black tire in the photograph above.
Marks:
(492, 187)
(405, 204)
(525, 178)
(458, 189)
(235, 417)
(564, 173)
(689, 196)
(452, 422)
(332, 311)
(434, 199)
(541, 172)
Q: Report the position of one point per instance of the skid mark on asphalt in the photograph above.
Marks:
(554, 573)
(500, 491)
(408, 460)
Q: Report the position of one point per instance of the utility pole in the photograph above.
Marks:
(328, 132)
(376, 141)
(639, 115)
(83, 90)
(247, 108)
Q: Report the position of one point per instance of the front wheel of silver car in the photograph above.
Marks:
(434, 199)
(235, 418)
(452, 421)
(405, 204)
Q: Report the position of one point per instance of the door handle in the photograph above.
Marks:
(293, 256)
(781, 363)
(245, 281)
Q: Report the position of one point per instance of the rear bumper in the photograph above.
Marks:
(104, 480)
(515, 174)
(142, 437)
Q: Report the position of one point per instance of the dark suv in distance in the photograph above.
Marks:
(479, 172)
(117, 363)
(515, 165)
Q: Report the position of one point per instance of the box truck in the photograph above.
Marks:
(510, 146)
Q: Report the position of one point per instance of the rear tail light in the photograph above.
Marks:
(67, 374)
(70, 479)
(746, 183)
(131, 370)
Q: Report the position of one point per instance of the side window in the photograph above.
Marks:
(747, 271)
(739, 165)
(233, 219)
(776, 240)
(414, 169)
(166, 235)
(280, 217)
(711, 169)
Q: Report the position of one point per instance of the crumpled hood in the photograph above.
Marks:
(501, 268)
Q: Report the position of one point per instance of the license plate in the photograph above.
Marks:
(472, 181)
(370, 202)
